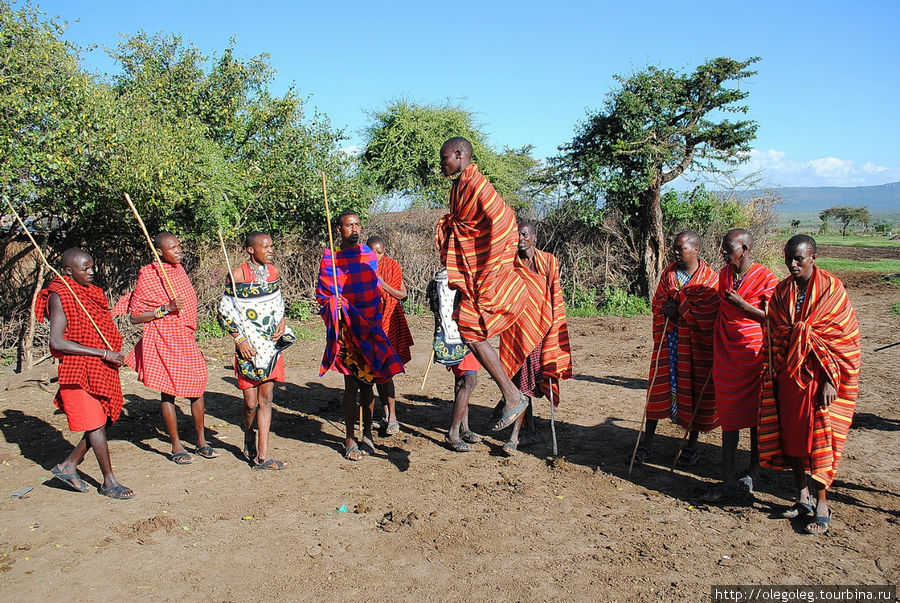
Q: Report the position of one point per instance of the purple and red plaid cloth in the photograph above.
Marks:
(359, 292)
(92, 374)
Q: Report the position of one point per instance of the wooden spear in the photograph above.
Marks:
(647, 403)
(56, 272)
(162, 267)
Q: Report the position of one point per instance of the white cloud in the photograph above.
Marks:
(780, 170)
(352, 150)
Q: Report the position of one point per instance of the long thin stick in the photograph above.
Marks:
(552, 420)
(56, 272)
(687, 431)
(162, 268)
(647, 403)
(769, 339)
(428, 368)
(233, 286)
(331, 249)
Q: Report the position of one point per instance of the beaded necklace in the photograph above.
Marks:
(260, 272)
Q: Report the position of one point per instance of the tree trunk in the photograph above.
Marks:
(26, 342)
(653, 242)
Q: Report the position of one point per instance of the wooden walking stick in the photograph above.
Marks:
(687, 431)
(56, 272)
(162, 268)
(552, 420)
(649, 388)
(428, 368)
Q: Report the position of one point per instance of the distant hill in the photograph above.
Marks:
(801, 199)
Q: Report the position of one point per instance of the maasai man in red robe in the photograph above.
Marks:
(167, 358)
(681, 382)
(477, 241)
(356, 345)
(393, 320)
(535, 350)
(815, 353)
(89, 389)
(252, 312)
(744, 289)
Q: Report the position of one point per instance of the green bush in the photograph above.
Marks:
(413, 308)
(210, 329)
(582, 302)
(300, 309)
(621, 303)
(895, 308)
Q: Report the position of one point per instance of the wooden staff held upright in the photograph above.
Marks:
(162, 267)
(647, 402)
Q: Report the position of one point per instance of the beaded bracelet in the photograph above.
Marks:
(104, 355)
(239, 340)
(161, 311)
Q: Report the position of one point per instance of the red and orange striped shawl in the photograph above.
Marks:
(543, 321)
(828, 330)
(478, 241)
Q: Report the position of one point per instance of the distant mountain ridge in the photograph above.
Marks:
(882, 198)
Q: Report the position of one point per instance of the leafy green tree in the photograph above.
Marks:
(401, 154)
(657, 126)
(846, 214)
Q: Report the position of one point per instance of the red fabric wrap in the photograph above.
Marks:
(166, 358)
(93, 375)
(698, 305)
(392, 318)
(824, 338)
(478, 241)
(543, 322)
(738, 361)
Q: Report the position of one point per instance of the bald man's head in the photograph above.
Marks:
(79, 265)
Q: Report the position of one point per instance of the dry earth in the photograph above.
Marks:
(427, 523)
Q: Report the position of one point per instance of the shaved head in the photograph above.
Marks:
(690, 237)
(71, 257)
(161, 237)
(374, 240)
(799, 240)
(739, 235)
(458, 143)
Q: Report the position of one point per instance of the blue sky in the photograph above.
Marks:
(825, 97)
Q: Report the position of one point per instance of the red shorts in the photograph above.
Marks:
(468, 366)
(83, 410)
(277, 374)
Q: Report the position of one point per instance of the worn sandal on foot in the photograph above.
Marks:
(508, 417)
(269, 464)
(689, 457)
(119, 492)
(459, 446)
(800, 509)
(643, 454)
(530, 438)
(207, 452)
(353, 453)
(182, 458)
(510, 448)
(470, 436)
(70, 479)
(819, 525)
(721, 494)
(392, 428)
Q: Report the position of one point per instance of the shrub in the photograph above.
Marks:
(621, 303)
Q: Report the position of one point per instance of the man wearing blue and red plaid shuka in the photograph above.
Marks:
(356, 345)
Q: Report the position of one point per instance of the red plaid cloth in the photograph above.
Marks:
(93, 375)
(360, 318)
(166, 358)
(393, 320)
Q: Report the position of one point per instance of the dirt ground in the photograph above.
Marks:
(422, 522)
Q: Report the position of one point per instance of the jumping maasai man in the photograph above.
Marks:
(536, 347)
(89, 389)
(167, 358)
(356, 345)
(393, 291)
(477, 241)
(253, 315)
(451, 351)
(744, 289)
(687, 295)
(815, 347)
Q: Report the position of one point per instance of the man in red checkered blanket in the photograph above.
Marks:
(167, 358)
(89, 389)
(356, 345)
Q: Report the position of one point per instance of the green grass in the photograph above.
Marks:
(846, 265)
(851, 240)
(895, 308)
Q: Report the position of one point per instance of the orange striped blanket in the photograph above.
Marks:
(478, 241)
(393, 320)
(698, 305)
(543, 322)
(826, 332)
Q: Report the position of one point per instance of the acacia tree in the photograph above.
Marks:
(846, 214)
(401, 156)
(656, 126)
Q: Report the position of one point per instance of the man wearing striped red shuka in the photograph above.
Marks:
(477, 241)
(744, 289)
(809, 394)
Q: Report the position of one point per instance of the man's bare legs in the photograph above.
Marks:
(463, 387)
(490, 360)
(352, 387)
(258, 406)
(170, 419)
(387, 393)
(798, 467)
(96, 439)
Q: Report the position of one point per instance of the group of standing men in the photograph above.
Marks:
(741, 350)
(737, 349)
